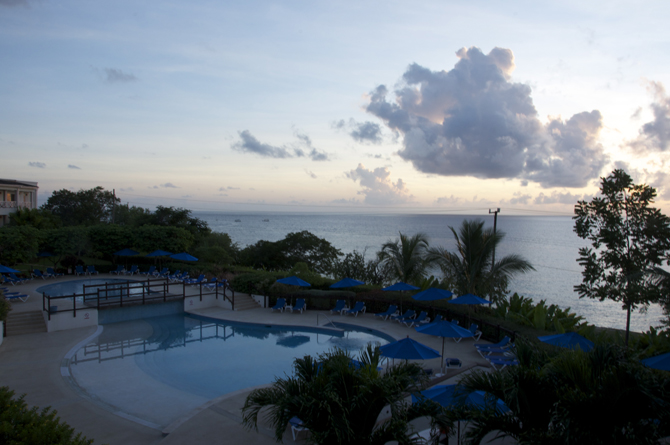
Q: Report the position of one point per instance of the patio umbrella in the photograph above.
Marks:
(159, 253)
(570, 340)
(432, 294)
(453, 396)
(183, 257)
(5, 269)
(346, 282)
(294, 281)
(658, 362)
(444, 329)
(293, 341)
(126, 252)
(469, 299)
(400, 286)
(408, 349)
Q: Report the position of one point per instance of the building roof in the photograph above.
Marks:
(15, 183)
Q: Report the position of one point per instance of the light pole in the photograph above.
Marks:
(495, 222)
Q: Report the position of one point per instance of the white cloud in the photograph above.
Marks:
(378, 188)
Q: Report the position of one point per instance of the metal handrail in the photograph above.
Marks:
(327, 318)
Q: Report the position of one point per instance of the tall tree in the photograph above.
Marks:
(470, 268)
(406, 257)
(82, 208)
(628, 237)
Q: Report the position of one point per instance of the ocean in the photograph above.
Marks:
(548, 242)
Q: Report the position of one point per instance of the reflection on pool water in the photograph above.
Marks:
(77, 286)
(160, 368)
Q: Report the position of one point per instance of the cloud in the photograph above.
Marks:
(73, 167)
(449, 200)
(223, 189)
(113, 75)
(378, 188)
(473, 121)
(366, 132)
(37, 164)
(302, 148)
(12, 3)
(310, 174)
(129, 189)
(84, 145)
(560, 198)
(520, 198)
(655, 135)
(169, 185)
(352, 201)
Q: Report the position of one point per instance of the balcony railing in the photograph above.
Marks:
(15, 205)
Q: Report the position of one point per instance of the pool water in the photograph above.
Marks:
(65, 288)
(160, 368)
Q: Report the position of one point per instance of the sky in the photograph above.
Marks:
(354, 106)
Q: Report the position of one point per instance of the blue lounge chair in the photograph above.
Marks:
(133, 270)
(392, 310)
(358, 307)
(502, 343)
(91, 270)
(52, 273)
(299, 305)
(164, 272)
(498, 363)
(476, 334)
(409, 313)
(340, 307)
(195, 281)
(438, 318)
(296, 426)
(16, 296)
(119, 270)
(175, 275)
(38, 274)
(79, 270)
(421, 319)
(151, 271)
(12, 278)
(280, 305)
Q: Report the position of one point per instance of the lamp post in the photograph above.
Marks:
(495, 222)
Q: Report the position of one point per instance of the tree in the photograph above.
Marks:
(83, 208)
(601, 397)
(37, 218)
(339, 402)
(406, 257)
(469, 269)
(628, 239)
(308, 248)
(18, 244)
(353, 265)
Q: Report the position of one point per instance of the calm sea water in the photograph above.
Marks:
(548, 242)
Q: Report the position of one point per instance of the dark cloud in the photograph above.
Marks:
(169, 185)
(655, 135)
(366, 132)
(377, 186)
(37, 164)
(73, 167)
(310, 174)
(560, 198)
(223, 189)
(472, 121)
(112, 75)
(128, 189)
(303, 148)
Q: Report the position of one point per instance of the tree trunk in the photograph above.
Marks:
(627, 322)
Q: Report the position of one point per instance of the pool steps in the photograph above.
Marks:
(29, 322)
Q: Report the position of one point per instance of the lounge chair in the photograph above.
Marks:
(451, 362)
(38, 274)
(52, 273)
(392, 310)
(438, 318)
(195, 281)
(151, 271)
(340, 307)
(421, 319)
(119, 270)
(79, 270)
(505, 350)
(299, 305)
(164, 272)
(409, 313)
(280, 305)
(175, 276)
(476, 334)
(296, 427)
(498, 363)
(504, 342)
(133, 270)
(12, 278)
(16, 296)
(358, 307)
(91, 270)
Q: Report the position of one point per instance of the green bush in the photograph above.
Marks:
(5, 307)
(21, 425)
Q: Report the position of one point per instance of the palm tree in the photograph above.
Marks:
(339, 402)
(406, 257)
(470, 268)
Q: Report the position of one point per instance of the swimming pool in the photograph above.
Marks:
(158, 369)
(64, 288)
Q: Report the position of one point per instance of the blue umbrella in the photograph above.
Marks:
(294, 281)
(444, 329)
(408, 349)
(454, 396)
(469, 299)
(433, 294)
(399, 286)
(183, 257)
(658, 362)
(160, 253)
(293, 341)
(346, 282)
(570, 340)
(5, 269)
(126, 252)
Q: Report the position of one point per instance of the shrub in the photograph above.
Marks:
(21, 425)
(5, 307)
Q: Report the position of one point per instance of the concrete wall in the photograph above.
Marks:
(193, 303)
(61, 321)
(129, 313)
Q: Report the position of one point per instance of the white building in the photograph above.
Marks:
(15, 194)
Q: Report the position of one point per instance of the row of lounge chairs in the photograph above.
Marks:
(12, 279)
(281, 306)
(500, 355)
(9, 295)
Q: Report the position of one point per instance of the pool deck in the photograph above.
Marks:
(31, 364)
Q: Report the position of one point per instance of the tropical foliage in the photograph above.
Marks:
(406, 257)
(469, 270)
(354, 265)
(340, 402)
(628, 237)
(601, 397)
(85, 207)
(525, 312)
